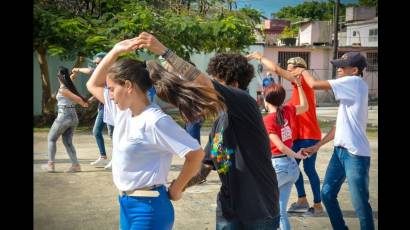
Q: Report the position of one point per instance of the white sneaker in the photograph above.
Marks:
(100, 162)
(108, 166)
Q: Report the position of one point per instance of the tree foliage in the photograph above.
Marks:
(80, 28)
(313, 9)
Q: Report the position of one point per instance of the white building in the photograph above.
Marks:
(314, 32)
(362, 33)
(361, 27)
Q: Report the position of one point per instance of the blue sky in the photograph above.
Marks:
(269, 6)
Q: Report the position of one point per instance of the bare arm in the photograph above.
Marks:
(86, 71)
(190, 168)
(200, 177)
(97, 80)
(312, 82)
(329, 136)
(304, 106)
(273, 66)
(68, 94)
(184, 68)
(283, 148)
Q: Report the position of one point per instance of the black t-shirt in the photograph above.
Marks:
(239, 149)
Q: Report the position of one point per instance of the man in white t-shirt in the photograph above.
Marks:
(351, 155)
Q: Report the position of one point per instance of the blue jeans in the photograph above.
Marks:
(146, 213)
(287, 172)
(344, 165)
(98, 129)
(224, 224)
(194, 129)
(310, 170)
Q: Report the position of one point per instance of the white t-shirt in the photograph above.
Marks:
(351, 121)
(143, 146)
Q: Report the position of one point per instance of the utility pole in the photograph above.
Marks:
(335, 37)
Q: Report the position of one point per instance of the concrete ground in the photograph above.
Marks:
(88, 200)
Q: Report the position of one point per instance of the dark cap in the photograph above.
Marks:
(351, 59)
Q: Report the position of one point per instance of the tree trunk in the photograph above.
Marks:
(47, 101)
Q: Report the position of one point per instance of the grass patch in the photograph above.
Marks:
(371, 131)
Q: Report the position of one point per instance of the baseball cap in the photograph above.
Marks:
(352, 59)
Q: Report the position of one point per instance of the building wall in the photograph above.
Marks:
(360, 13)
(342, 37)
(362, 34)
(321, 31)
(305, 34)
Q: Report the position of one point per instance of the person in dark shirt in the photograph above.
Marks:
(238, 147)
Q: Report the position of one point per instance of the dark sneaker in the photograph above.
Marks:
(295, 207)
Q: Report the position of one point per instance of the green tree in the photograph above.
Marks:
(69, 29)
(185, 33)
(78, 28)
(313, 9)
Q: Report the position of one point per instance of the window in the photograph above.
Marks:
(372, 61)
(373, 35)
(354, 33)
(284, 56)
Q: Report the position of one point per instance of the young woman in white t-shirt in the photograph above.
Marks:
(145, 138)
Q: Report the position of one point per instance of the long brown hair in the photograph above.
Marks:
(275, 95)
(64, 76)
(193, 100)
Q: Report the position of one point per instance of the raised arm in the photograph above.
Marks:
(273, 66)
(97, 80)
(304, 105)
(86, 71)
(184, 68)
(311, 81)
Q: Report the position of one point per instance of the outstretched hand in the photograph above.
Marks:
(297, 71)
(126, 46)
(300, 155)
(73, 76)
(311, 150)
(149, 41)
(254, 56)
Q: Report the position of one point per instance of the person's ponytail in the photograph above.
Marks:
(280, 120)
(275, 95)
(193, 100)
(64, 76)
